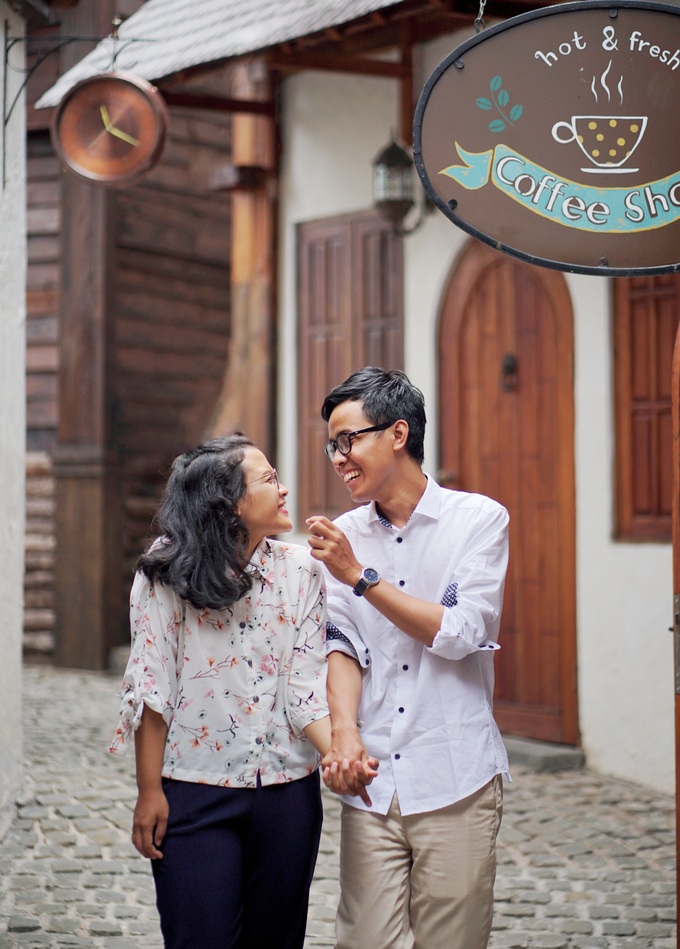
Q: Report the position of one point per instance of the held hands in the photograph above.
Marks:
(331, 547)
(150, 822)
(347, 767)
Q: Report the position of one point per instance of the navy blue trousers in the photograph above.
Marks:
(237, 864)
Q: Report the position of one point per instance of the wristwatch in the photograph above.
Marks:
(369, 578)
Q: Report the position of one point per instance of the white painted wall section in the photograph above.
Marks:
(12, 423)
(624, 590)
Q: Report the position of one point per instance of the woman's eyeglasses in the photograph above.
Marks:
(271, 478)
(343, 443)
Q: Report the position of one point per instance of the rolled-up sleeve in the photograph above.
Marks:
(306, 693)
(473, 597)
(345, 636)
(151, 673)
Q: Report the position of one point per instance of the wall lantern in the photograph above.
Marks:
(393, 187)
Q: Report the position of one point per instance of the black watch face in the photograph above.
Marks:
(371, 576)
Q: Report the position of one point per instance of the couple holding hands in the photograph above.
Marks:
(371, 653)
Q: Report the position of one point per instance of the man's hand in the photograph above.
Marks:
(347, 767)
(150, 822)
(331, 547)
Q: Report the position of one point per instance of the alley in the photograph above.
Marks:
(584, 861)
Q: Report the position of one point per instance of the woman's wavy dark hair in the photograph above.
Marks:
(202, 552)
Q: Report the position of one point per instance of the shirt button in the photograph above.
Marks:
(400, 540)
(367, 652)
(258, 740)
(397, 757)
(401, 710)
(242, 625)
(256, 698)
(401, 583)
(405, 668)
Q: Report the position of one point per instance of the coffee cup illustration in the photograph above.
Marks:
(607, 141)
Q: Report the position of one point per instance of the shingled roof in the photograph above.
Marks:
(166, 36)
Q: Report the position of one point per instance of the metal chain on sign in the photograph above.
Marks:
(479, 22)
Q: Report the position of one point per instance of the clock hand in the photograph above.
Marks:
(106, 119)
(122, 135)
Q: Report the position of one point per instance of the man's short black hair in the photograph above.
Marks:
(387, 396)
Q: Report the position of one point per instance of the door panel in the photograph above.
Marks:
(350, 314)
(507, 431)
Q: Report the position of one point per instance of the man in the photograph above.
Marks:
(415, 589)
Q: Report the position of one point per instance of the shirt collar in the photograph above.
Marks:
(428, 505)
(260, 562)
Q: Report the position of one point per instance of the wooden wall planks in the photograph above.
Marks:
(171, 317)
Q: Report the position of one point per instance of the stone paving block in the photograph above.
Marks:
(603, 912)
(62, 924)
(548, 941)
(71, 810)
(509, 941)
(105, 927)
(66, 866)
(582, 926)
(618, 929)
(51, 798)
(22, 924)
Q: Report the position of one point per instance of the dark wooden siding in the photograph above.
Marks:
(171, 299)
(43, 213)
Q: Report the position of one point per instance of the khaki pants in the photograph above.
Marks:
(423, 881)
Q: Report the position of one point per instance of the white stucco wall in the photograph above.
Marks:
(333, 127)
(12, 424)
(624, 590)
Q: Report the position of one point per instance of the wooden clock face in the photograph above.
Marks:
(110, 129)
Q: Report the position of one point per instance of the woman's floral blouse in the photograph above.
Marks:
(238, 688)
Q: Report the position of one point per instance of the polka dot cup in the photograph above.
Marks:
(607, 141)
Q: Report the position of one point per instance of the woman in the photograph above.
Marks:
(225, 692)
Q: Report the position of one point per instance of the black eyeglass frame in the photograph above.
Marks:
(333, 444)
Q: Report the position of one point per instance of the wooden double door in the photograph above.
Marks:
(507, 431)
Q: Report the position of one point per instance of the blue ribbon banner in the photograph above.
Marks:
(614, 210)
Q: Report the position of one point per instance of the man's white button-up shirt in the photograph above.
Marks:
(426, 712)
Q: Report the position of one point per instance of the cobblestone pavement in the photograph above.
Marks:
(583, 860)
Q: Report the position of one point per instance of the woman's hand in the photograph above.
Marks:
(150, 822)
(152, 810)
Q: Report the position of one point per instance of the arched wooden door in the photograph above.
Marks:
(507, 430)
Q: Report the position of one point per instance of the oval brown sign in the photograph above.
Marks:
(555, 137)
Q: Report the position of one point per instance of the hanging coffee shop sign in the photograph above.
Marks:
(554, 137)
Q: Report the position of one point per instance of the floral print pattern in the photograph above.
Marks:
(235, 686)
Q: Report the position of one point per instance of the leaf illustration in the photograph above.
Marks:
(515, 112)
(484, 103)
(503, 97)
(495, 83)
(497, 125)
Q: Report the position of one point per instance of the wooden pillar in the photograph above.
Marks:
(88, 534)
(247, 399)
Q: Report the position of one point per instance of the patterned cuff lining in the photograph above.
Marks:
(450, 597)
(332, 632)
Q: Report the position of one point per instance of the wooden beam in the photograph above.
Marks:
(247, 401)
(329, 62)
(217, 104)
(406, 84)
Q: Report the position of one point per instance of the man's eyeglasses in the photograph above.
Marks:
(343, 443)
(271, 478)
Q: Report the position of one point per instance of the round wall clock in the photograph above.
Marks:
(110, 129)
